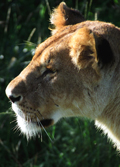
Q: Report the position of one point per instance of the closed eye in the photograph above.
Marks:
(48, 71)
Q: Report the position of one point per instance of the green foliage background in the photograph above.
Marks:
(76, 142)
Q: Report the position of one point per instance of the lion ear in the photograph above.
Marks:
(63, 15)
(105, 54)
(82, 48)
(90, 48)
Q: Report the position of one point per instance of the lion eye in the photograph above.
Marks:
(48, 71)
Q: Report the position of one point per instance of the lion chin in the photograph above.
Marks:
(75, 72)
(32, 127)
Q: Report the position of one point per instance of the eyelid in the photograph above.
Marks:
(48, 71)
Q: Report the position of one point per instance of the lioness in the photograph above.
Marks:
(75, 72)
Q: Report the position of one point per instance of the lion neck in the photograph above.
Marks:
(109, 122)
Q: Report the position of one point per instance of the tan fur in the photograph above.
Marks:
(75, 72)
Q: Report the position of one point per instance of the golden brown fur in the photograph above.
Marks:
(75, 72)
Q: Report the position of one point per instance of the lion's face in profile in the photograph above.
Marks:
(71, 74)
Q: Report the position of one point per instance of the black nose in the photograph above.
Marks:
(14, 99)
(15, 90)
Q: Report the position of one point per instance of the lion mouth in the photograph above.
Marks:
(31, 118)
(45, 123)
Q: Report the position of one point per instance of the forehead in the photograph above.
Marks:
(56, 39)
(55, 49)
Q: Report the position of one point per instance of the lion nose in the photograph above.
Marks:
(15, 90)
(15, 99)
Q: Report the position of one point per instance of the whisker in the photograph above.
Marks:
(20, 134)
(13, 121)
(40, 133)
(39, 122)
(40, 114)
(46, 132)
(16, 129)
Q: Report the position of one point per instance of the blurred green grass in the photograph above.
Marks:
(23, 25)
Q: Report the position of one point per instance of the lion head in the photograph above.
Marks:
(73, 73)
